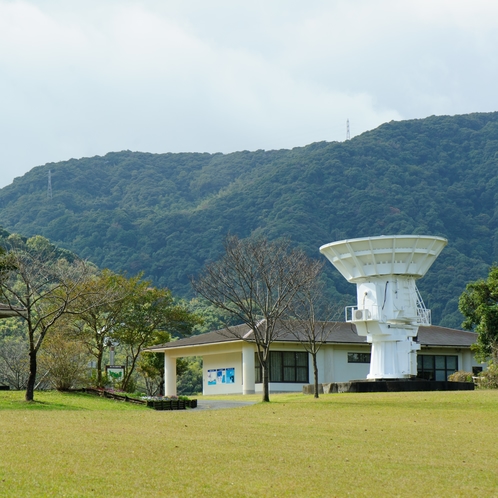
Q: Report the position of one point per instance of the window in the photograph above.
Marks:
(285, 366)
(476, 370)
(358, 357)
(436, 367)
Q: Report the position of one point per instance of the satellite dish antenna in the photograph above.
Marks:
(389, 308)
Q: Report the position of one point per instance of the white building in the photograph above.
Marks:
(231, 367)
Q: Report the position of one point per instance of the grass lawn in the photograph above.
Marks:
(382, 444)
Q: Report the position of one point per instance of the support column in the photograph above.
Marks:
(384, 360)
(169, 375)
(248, 380)
(466, 361)
(329, 373)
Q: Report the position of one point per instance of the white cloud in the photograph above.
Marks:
(86, 77)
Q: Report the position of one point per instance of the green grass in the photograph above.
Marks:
(392, 444)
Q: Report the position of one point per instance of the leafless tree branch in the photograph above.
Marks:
(257, 280)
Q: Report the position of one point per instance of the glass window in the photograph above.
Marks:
(436, 367)
(451, 363)
(286, 366)
(257, 366)
(289, 371)
(276, 374)
(428, 362)
(302, 374)
(358, 357)
(441, 375)
(302, 360)
(440, 362)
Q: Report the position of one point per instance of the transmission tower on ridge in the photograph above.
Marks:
(348, 136)
(49, 189)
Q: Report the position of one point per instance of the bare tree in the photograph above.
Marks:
(256, 281)
(40, 283)
(14, 367)
(310, 321)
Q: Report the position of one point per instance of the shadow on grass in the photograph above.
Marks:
(56, 401)
(62, 401)
(38, 406)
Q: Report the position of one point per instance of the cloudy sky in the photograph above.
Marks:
(86, 77)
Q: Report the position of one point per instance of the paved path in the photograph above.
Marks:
(217, 404)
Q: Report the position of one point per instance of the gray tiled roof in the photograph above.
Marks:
(442, 336)
(207, 338)
(7, 311)
(340, 333)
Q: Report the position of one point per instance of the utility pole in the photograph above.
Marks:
(49, 189)
(348, 136)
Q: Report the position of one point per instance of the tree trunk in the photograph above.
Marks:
(315, 373)
(99, 368)
(266, 379)
(130, 370)
(30, 388)
(264, 361)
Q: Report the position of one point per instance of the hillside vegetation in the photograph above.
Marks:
(167, 214)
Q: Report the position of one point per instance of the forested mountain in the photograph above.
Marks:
(167, 214)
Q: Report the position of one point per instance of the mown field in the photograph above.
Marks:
(393, 444)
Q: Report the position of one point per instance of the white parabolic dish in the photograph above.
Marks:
(410, 255)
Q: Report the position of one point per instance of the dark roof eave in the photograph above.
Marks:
(171, 345)
(342, 334)
(160, 349)
(442, 346)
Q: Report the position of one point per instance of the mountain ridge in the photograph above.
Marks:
(167, 214)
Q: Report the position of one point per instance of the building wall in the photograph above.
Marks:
(333, 366)
(281, 387)
(344, 371)
(216, 372)
(332, 362)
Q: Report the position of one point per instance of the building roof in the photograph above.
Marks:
(7, 311)
(340, 333)
(442, 336)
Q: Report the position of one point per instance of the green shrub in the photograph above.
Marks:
(131, 387)
(461, 376)
(488, 379)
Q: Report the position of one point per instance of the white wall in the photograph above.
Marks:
(333, 364)
(222, 361)
(325, 360)
(282, 387)
(343, 371)
(468, 361)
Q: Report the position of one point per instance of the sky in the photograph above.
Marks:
(81, 78)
